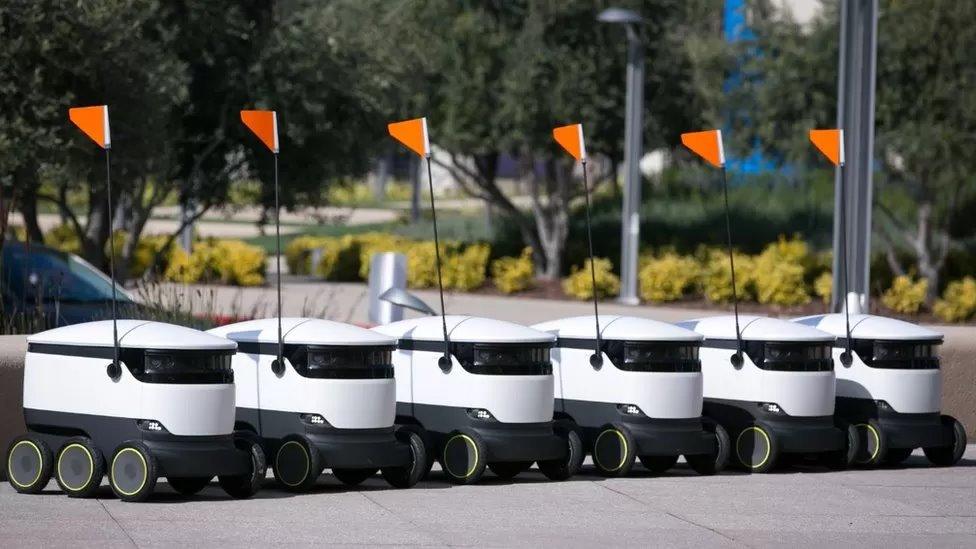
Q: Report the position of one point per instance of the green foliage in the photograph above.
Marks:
(668, 277)
(958, 302)
(513, 274)
(579, 283)
(906, 295)
(64, 238)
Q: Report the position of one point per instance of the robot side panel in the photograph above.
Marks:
(191, 409)
(79, 385)
(907, 391)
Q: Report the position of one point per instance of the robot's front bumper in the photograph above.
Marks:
(914, 430)
(670, 437)
(197, 456)
(520, 441)
(358, 448)
(799, 434)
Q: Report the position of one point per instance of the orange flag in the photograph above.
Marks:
(706, 144)
(94, 122)
(264, 124)
(830, 143)
(413, 134)
(571, 138)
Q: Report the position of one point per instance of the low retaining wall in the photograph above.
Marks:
(958, 392)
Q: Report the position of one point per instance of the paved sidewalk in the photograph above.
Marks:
(806, 507)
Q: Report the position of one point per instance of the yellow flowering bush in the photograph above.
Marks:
(823, 286)
(298, 253)
(958, 302)
(905, 295)
(716, 277)
(778, 273)
(579, 284)
(465, 270)
(668, 277)
(513, 274)
(64, 238)
(223, 261)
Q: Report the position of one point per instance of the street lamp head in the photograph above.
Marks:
(619, 15)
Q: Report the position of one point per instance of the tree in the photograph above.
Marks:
(925, 117)
(496, 76)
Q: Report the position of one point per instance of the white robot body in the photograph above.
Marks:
(649, 382)
(336, 389)
(785, 382)
(173, 393)
(499, 384)
(915, 390)
(891, 388)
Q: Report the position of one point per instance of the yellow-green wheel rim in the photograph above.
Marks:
(877, 440)
(91, 467)
(307, 462)
(473, 467)
(145, 469)
(10, 464)
(623, 445)
(738, 447)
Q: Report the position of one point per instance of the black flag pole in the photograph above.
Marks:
(111, 255)
(596, 360)
(846, 358)
(445, 361)
(281, 339)
(737, 357)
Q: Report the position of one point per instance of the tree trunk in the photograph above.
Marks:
(25, 179)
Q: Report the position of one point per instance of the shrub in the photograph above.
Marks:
(668, 277)
(422, 264)
(298, 253)
(146, 251)
(224, 261)
(513, 274)
(823, 286)
(465, 270)
(958, 302)
(340, 259)
(63, 237)
(778, 273)
(372, 243)
(716, 281)
(579, 284)
(905, 294)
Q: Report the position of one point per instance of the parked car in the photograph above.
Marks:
(56, 288)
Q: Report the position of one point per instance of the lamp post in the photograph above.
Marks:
(633, 127)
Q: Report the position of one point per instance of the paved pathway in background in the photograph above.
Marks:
(890, 508)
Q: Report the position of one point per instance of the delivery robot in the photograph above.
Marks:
(165, 409)
(643, 400)
(777, 397)
(891, 389)
(330, 405)
(490, 404)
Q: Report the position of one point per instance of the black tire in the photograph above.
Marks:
(408, 475)
(463, 457)
(188, 486)
(562, 469)
(29, 464)
(245, 486)
(614, 451)
(843, 457)
(658, 464)
(715, 462)
(79, 468)
(297, 464)
(897, 456)
(944, 456)
(756, 448)
(509, 469)
(352, 477)
(133, 471)
(872, 444)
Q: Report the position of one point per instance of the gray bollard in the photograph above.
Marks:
(386, 270)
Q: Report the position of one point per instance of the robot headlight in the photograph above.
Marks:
(630, 410)
(771, 408)
(151, 425)
(480, 414)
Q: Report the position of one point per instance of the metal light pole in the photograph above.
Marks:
(855, 114)
(633, 149)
